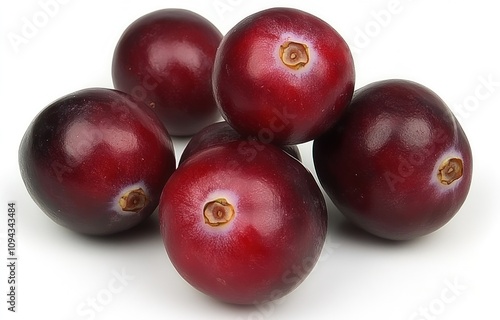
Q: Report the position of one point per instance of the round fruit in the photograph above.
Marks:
(398, 163)
(95, 161)
(243, 231)
(165, 59)
(221, 132)
(283, 76)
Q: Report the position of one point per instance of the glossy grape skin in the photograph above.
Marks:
(165, 59)
(380, 164)
(220, 133)
(85, 151)
(272, 241)
(262, 92)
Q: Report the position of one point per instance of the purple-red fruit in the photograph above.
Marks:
(165, 59)
(398, 163)
(243, 231)
(221, 132)
(283, 76)
(95, 161)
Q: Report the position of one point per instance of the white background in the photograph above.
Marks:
(451, 47)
